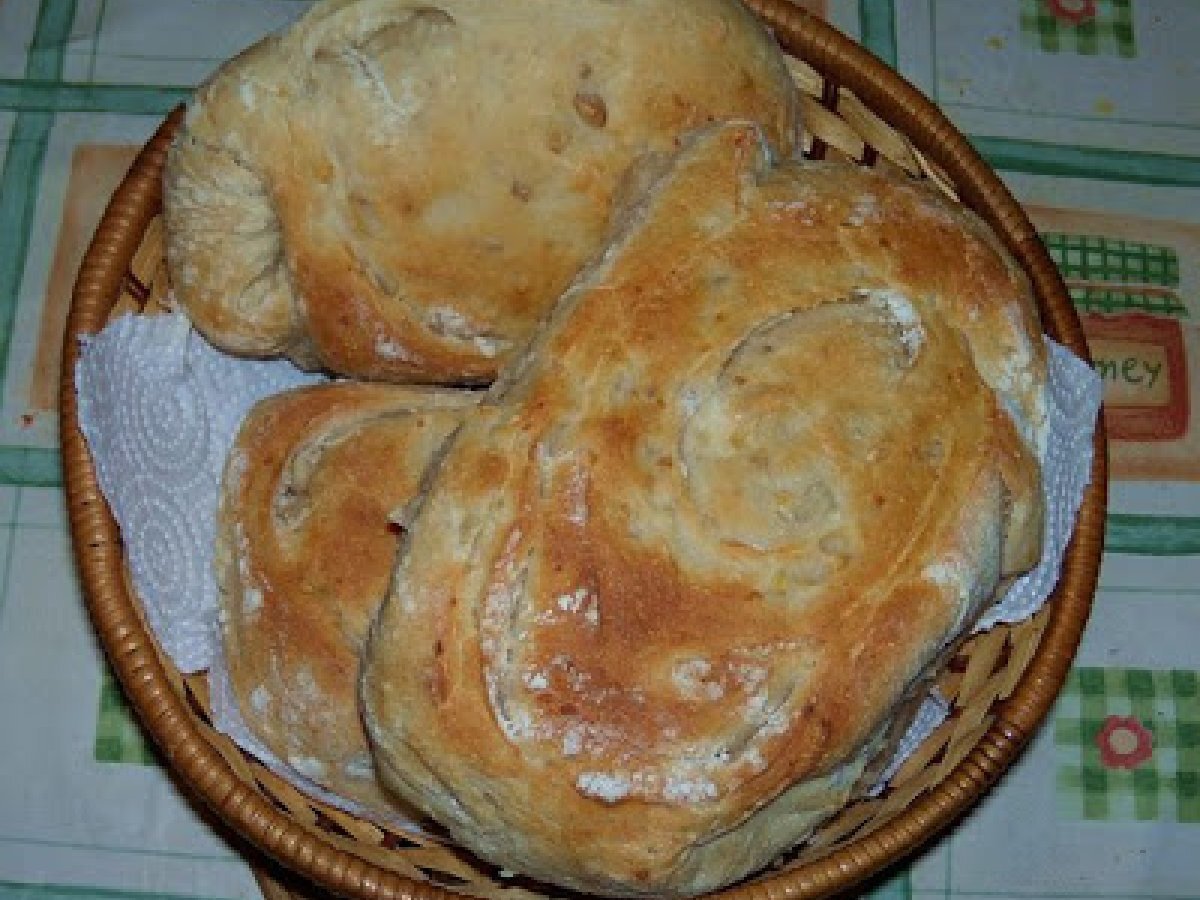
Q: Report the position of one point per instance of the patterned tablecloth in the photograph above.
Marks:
(1090, 110)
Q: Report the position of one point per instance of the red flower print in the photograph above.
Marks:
(1073, 11)
(1124, 743)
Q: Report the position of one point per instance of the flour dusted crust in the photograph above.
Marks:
(307, 541)
(399, 190)
(770, 455)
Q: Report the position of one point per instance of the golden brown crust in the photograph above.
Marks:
(305, 552)
(677, 574)
(399, 190)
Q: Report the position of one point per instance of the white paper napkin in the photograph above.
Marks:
(160, 408)
(1073, 395)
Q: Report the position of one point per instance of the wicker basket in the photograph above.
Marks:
(1000, 684)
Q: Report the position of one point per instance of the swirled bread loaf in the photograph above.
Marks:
(399, 190)
(304, 555)
(771, 453)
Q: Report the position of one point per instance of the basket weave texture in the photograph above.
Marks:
(1000, 684)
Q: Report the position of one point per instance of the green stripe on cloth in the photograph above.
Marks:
(15, 890)
(1112, 302)
(1125, 743)
(1092, 257)
(1140, 535)
(896, 887)
(1091, 717)
(30, 467)
(50, 36)
(19, 182)
(22, 172)
(1069, 26)
(119, 738)
(1096, 163)
(1033, 25)
(93, 49)
(1143, 276)
(51, 96)
(877, 28)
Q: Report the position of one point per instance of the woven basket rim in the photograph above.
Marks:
(133, 653)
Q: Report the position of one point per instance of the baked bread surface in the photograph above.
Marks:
(680, 574)
(399, 190)
(315, 489)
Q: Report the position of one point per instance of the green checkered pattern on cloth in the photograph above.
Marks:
(1125, 264)
(1107, 31)
(119, 738)
(1164, 787)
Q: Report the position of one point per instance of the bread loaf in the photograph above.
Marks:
(314, 488)
(398, 190)
(678, 576)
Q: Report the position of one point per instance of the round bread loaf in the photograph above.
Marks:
(313, 488)
(399, 190)
(681, 576)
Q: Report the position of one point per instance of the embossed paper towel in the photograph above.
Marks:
(159, 407)
(1073, 394)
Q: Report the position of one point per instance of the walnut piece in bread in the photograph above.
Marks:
(677, 577)
(305, 550)
(398, 190)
